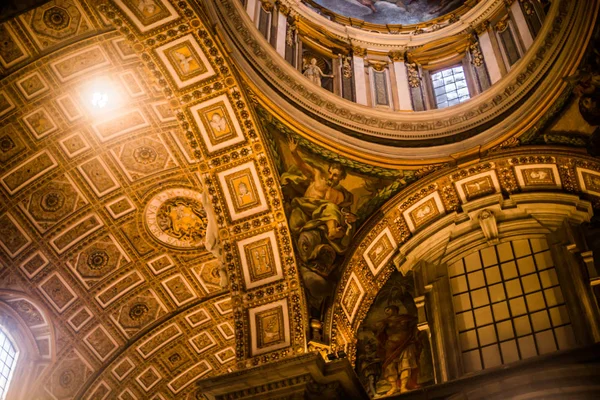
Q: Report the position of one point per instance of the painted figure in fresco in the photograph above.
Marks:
(320, 220)
(392, 355)
(423, 212)
(399, 349)
(243, 192)
(368, 3)
(147, 7)
(402, 4)
(369, 365)
(313, 72)
(587, 87)
(218, 123)
(402, 12)
(185, 61)
(325, 205)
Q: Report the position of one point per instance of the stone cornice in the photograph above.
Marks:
(442, 239)
(367, 133)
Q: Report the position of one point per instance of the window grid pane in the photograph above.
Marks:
(508, 304)
(450, 87)
(7, 362)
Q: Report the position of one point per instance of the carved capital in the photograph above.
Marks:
(359, 51)
(502, 25)
(283, 8)
(482, 28)
(267, 5)
(377, 65)
(396, 55)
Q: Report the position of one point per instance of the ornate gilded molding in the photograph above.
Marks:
(428, 206)
(378, 65)
(482, 27)
(396, 56)
(267, 5)
(387, 128)
(359, 51)
(476, 55)
(346, 67)
(393, 29)
(414, 80)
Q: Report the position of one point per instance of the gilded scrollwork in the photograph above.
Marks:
(414, 80)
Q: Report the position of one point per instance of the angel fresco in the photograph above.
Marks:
(587, 87)
(319, 217)
(185, 61)
(392, 354)
(392, 11)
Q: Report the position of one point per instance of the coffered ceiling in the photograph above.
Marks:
(103, 219)
(143, 235)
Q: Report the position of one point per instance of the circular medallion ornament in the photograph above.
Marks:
(52, 201)
(176, 217)
(138, 311)
(144, 155)
(56, 18)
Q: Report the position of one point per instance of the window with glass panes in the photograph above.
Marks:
(8, 355)
(450, 86)
(508, 304)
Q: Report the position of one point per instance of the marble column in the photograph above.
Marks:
(281, 33)
(404, 102)
(251, 9)
(522, 27)
(489, 55)
(360, 82)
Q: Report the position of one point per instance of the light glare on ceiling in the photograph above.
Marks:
(99, 99)
(101, 95)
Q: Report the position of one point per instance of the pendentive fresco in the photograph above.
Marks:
(182, 231)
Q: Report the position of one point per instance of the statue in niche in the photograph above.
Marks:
(313, 72)
(320, 220)
(392, 354)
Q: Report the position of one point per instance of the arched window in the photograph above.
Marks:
(8, 361)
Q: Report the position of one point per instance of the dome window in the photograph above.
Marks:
(450, 86)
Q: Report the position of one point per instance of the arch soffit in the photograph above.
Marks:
(75, 367)
(30, 326)
(526, 192)
(217, 167)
